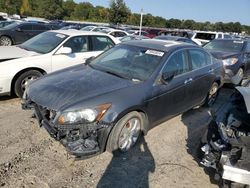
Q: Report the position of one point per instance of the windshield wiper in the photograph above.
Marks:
(117, 75)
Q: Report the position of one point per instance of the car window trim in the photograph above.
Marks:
(91, 41)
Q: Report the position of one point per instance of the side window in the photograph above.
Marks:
(120, 34)
(39, 28)
(178, 63)
(26, 27)
(113, 34)
(219, 36)
(78, 44)
(101, 43)
(199, 59)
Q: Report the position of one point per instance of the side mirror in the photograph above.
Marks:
(64, 50)
(88, 60)
(167, 77)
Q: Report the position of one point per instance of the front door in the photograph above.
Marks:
(80, 52)
(170, 99)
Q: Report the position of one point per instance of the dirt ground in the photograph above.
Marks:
(166, 157)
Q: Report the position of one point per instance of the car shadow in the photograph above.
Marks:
(5, 98)
(196, 121)
(130, 169)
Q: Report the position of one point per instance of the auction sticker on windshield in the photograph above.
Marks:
(154, 52)
(60, 36)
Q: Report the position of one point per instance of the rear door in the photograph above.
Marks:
(170, 99)
(203, 73)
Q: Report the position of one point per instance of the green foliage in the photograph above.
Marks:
(25, 8)
(68, 7)
(82, 11)
(118, 12)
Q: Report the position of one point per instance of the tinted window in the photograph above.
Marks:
(225, 45)
(25, 27)
(219, 36)
(178, 63)
(39, 28)
(77, 44)
(101, 43)
(205, 36)
(120, 34)
(198, 59)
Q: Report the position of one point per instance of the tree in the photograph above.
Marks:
(68, 7)
(173, 23)
(25, 8)
(82, 11)
(118, 12)
(50, 9)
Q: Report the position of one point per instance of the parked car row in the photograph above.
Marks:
(94, 93)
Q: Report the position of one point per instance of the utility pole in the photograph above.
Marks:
(141, 21)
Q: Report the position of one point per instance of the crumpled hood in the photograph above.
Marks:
(223, 55)
(13, 52)
(77, 83)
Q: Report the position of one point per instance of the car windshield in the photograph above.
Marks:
(44, 42)
(225, 45)
(129, 62)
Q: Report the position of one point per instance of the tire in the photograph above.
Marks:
(124, 135)
(212, 95)
(5, 41)
(24, 79)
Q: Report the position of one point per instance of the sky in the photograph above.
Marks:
(197, 10)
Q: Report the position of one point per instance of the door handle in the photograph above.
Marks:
(211, 71)
(188, 80)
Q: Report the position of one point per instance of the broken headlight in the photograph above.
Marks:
(230, 61)
(87, 115)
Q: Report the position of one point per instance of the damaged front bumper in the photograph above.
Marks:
(79, 140)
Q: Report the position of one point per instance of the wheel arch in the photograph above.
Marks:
(11, 38)
(12, 91)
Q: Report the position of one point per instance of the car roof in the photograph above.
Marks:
(73, 32)
(170, 37)
(159, 45)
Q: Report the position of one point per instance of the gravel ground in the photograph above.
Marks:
(166, 157)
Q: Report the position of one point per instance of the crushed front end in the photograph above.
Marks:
(80, 138)
(226, 144)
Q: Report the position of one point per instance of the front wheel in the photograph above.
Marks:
(212, 95)
(5, 41)
(125, 133)
(23, 80)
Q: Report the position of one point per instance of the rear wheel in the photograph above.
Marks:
(125, 133)
(23, 80)
(212, 95)
(5, 41)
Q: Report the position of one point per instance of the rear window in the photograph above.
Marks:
(205, 36)
(225, 45)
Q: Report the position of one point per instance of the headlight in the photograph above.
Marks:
(87, 115)
(230, 61)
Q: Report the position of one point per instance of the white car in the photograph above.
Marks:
(45, 53)
(115, 33)
(203, 37)
(94, 28)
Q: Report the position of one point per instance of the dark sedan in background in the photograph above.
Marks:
(108, 102)
(19, 32)
(235, 55)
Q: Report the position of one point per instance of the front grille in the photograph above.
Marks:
(46, 113)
